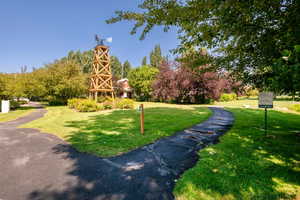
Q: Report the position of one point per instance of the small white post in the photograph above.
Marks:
(5, 106)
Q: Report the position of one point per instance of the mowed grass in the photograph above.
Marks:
(14, 114)
(279, 104)
(246, 164)
(110, 133)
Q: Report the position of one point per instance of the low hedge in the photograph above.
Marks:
(87, 105)
(252, 93)
(72, 103)
(295, 107)
(102, 99)
(84, 105)
(53, 101)
(108, 105)
(228, 97)
(124, 104)
(21, 102)
(14, 104)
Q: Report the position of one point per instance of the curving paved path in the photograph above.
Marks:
(39, 166)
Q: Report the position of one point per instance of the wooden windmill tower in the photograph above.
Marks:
(101, 77)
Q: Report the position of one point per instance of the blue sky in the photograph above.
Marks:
(35, 32)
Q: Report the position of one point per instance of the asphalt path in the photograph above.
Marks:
(40, 166)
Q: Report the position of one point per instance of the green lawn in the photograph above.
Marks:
(14, 114)
(246, 164)
(281, 105)
(109, 133)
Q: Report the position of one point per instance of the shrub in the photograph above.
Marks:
(87, 105)
(72, 103)
(102, 99)
(14, 104)
(125, 104)
(228, 97)
(53, 101)
(108, 105)
(84, 105)
(21, 102)
(295, 107)
(180, 84)
(252, 93)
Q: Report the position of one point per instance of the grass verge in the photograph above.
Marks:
(253, 103)
(246, 164)
(114, 132)
(14, 114)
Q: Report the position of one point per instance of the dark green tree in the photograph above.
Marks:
(64, 79)
(116, 67)
(284, 75)
(15, 87)
(126, 69)
(144, 61)
(34, 88)
(83, 59)
(141, 80)
(156, 57)
(246, 36)
(2, 85)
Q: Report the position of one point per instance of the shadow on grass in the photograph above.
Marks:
(247, 164)
(119, 131)
(111, 133)
(244, 165)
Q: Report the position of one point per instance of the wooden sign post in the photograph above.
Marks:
(141, 109)
(265, 101)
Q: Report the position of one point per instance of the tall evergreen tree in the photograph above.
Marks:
(116, 67)
(144, 61)
(126, 68)
(83, 59)
(156, 57)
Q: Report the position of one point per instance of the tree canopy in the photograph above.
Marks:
(141, 79)
(180, 84)
(245, 35)
(116, 67)
(126, 69)
(144, 61)
(156, 57)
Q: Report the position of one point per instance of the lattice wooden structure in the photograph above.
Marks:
(101, 77)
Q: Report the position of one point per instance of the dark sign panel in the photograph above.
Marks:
(265, 106)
